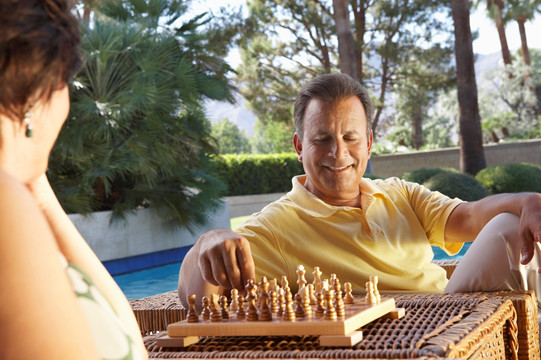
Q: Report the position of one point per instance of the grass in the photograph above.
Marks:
(237, 221)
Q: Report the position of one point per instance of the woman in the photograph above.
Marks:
(57, 300)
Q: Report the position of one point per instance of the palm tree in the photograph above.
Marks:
(472, 158)
(137, 135)
(522, 11)
(495, 10)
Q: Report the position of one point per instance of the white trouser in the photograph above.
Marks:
(493, 261)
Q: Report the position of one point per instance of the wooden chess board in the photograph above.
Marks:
(339, 332)
(260, 317)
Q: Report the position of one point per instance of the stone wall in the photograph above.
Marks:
(396, 164)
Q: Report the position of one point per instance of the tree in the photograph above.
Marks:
(274, 137)
(288, 49)
(230, 139)
(472, 158)
(346, 45)
(137, 135)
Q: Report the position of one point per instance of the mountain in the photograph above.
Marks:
(245, 119)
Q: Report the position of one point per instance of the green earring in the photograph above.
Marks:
(28, 133)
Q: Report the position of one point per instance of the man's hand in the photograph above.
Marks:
(225, 259)
(530, 226)
(219, 261)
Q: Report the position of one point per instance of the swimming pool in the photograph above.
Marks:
(148, 282)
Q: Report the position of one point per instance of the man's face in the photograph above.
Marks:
(335, 149)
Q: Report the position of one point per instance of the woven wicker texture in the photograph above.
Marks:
(467, 326)
(154, 313)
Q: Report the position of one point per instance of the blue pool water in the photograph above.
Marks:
(148, 282)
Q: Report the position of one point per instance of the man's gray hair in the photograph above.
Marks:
(331, 88)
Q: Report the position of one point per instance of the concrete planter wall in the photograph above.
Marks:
(141, 241)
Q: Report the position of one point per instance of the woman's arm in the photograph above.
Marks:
(78, 252)
(39, 314)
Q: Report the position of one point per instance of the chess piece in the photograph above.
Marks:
(224, 308)
(289, 313)
(205, 313)
(215, 312)
(252, 310)
(281, 303)
(312, 294)
(284, 282)
(273, 297)
(348, 296)
(306, 301)
(320, 307)
(374, 281)
(318, 283)
(370, 296)
(241, 314)
(234, 306)
(330, 311)
(301, 280)
(339, 301)
(192, 316)
(299, 310)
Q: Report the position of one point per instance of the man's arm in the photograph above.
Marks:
(467, 219)
(219, 261)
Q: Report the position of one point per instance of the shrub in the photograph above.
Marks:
(510, 178)
(257, 173)
(421, 175)
(458, 185)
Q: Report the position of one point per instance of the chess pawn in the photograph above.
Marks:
(320, 307)
(348, 296)
(273, 295)
(312, 294)
(306, 301)
(252, 310)
(224, 307)
(241, 314)
(330, 311)
(299, 310)
(264, 312)
(281, 303)
(205, 313)
(374, 281)
(289, 313)
(234, 306)
(192, 316)
(339, 303)
(215, 312)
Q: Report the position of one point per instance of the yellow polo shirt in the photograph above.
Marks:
(389, 236)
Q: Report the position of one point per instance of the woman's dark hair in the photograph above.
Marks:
(330, 88)
(39, 51)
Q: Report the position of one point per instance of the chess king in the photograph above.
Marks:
(355, 227)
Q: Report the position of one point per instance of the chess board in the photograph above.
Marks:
(357, 315)
(336, 320)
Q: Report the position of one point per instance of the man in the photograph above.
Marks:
(355, 227)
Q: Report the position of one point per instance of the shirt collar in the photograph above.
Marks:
(316, 207)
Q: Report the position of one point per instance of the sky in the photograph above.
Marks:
(487, 42)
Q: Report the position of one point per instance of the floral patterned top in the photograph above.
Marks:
(110, 336)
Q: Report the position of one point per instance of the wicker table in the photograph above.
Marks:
(466, 326)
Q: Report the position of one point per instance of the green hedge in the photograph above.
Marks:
(510, 178)
(458, 185)
(268, 173)
(257, 173)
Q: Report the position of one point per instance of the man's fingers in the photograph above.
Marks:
(527, 247)
(246, 264)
